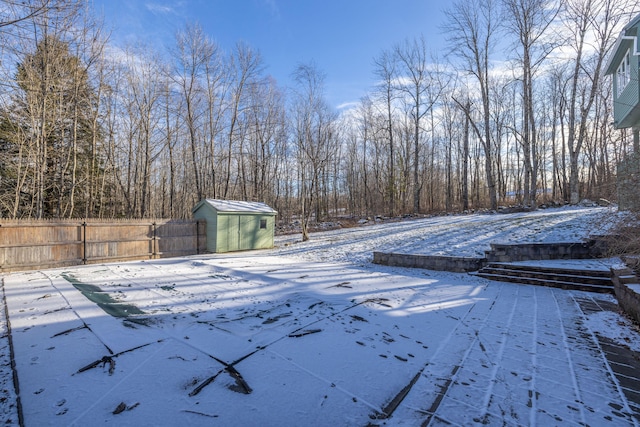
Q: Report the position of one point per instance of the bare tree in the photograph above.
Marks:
(529, 21)
(217, 82)
(422, 90)
(385, 68)
(267, 121)
(313, 127)
(246, 68)
(593, 25)
(145, 89)
(18, 11)
(193, 51)
(472, 27)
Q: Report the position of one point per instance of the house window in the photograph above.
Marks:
(263, 224)
(623, 75)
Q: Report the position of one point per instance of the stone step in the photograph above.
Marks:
(550, 276)
(564, 278)
(548, 283)
(549, 269)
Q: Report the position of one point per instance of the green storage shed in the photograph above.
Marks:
(234, 225)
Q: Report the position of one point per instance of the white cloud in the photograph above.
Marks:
(273, 8)
(159, 8)
(347, 105)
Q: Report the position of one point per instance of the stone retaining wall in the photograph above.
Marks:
(430, 262)
(628, 182)
(627, 289)
(541, 251)
(499, 253)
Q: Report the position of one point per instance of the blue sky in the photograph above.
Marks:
(341, 36)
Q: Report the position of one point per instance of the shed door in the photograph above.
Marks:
(232, 233)
(242, 233)
(248, 231)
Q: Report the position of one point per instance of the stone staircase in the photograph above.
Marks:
(557, 277)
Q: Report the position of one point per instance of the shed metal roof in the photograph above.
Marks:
(238, 206)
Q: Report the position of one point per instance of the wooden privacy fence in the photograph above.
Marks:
(26, 245)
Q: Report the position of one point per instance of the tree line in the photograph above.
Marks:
(515, 111)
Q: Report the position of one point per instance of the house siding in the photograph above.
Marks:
(626, 111)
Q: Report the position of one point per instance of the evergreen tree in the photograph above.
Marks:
(48, 139)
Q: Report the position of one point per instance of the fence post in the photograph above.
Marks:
(197, 237)
(84, 242)
(153, 241)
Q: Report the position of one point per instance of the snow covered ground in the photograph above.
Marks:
(463, 235)
(314, 334)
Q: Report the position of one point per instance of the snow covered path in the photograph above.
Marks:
(272, 338)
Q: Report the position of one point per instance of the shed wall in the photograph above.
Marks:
(207, 213)
(238, 232)
(252, 236)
